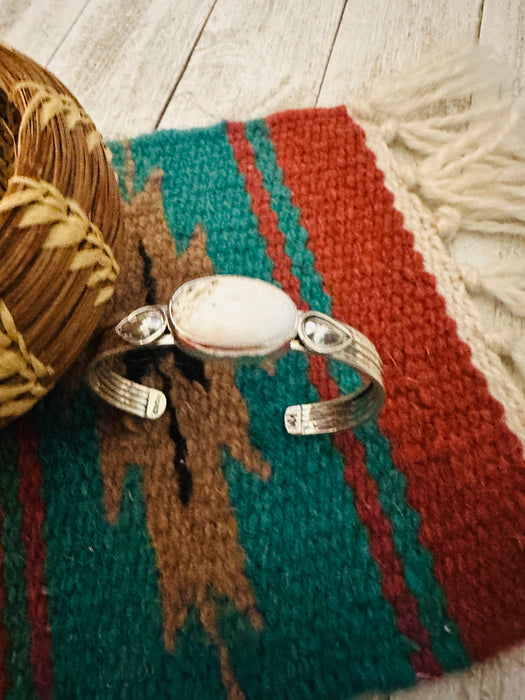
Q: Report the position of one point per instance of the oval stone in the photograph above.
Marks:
(232, 316)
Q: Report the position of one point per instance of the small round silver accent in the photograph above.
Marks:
(322, 334)
(143, 326)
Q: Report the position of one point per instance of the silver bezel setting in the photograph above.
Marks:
(245, 353)
(324, 322)
(157, 311)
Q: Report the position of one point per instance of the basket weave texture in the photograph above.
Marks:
(59, 228)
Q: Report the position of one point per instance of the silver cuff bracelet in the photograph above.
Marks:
(243, 319)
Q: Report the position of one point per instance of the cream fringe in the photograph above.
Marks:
(461, 151)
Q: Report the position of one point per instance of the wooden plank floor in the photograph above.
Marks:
(137, 65)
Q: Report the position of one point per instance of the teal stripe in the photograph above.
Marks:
(303, 263)
(417, 561)
(303, 267)
(18, 660)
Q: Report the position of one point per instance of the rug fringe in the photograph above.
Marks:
(505, 281)
(461, 150)
(510, 346)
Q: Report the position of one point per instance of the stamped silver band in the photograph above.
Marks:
(310, 332)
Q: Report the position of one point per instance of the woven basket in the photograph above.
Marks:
(59, 227)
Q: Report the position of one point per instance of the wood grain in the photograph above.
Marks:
(254, 58)
(123, 58)
(503, 28)
(377, 38)
(38, 28)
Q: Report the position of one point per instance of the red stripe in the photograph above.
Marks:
(464, 468)
(4, 635)
(33, 520)
(393, 585)
(267, 218)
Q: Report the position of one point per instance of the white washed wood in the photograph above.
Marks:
(122, 59)
(255, 57)
(37, 28)
(502, 29)
(377, 38)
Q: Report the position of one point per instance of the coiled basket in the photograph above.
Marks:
(59, 231)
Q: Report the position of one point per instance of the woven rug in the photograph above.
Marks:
(210, 554)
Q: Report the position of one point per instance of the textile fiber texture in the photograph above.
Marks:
(209, 554)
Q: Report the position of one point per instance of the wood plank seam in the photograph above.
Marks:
(73, 23)
(183, 71)
(330, 52)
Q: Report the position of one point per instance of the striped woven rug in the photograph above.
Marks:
(210, 554)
